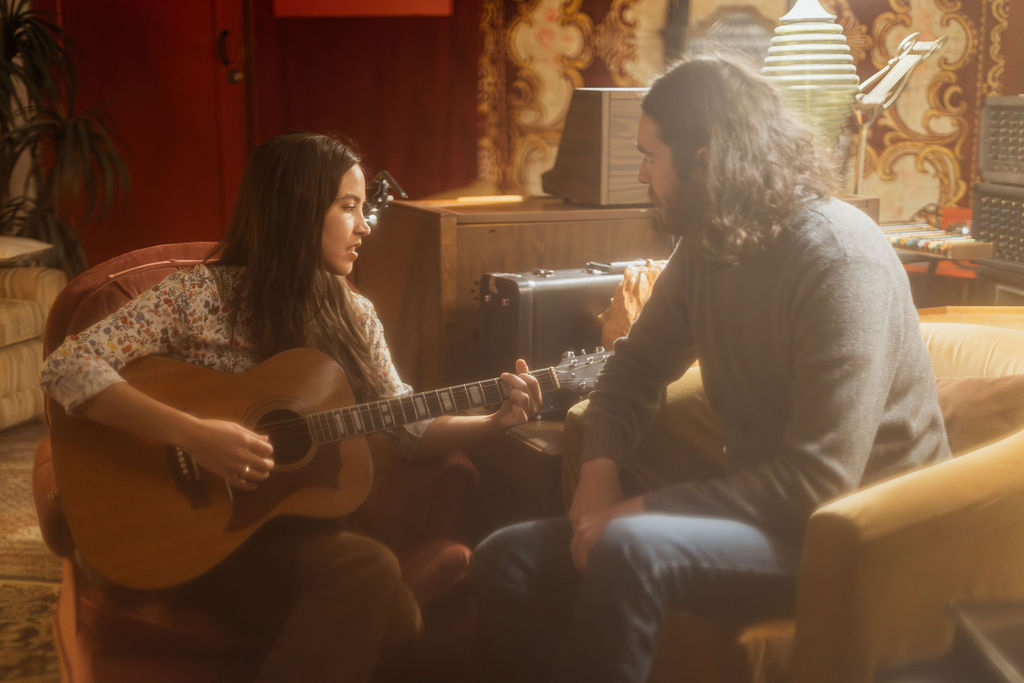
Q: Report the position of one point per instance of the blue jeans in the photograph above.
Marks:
(541, 620)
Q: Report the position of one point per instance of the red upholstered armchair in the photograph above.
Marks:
(108, 634)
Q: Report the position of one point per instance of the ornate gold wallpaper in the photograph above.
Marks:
(922, 151)
(535, 53)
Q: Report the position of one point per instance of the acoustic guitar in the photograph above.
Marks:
(145, 515)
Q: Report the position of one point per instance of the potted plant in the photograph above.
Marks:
(58, 166)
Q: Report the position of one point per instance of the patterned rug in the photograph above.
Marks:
(29, 572)
(26, 632)
(23, 555)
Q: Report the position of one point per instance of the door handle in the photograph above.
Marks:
(222, 47)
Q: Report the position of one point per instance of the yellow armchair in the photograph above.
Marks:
(881, 565)
(26, 293)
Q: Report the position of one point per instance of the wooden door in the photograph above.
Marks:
(172, 78)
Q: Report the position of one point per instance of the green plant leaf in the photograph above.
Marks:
(75, 167)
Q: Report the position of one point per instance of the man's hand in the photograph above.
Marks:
(598, 489)
(590, 528)
(597, 493)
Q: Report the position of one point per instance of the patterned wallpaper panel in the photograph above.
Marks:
(535, 53)
(922, 151)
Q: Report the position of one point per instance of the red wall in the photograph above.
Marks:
(404, 89)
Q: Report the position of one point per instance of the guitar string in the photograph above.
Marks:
(297, 426)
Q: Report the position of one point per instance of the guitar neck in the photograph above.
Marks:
(375, 416)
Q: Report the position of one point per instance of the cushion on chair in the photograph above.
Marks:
(21, 398)
(19, 366)
(966, 350)
(980, 410)
(17, 250)
(20, 319)
(25, 296)
(20, 406)
(34, 283)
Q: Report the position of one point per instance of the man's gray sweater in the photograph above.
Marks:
(810, 354)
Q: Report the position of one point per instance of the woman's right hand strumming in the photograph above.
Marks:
(238, 455)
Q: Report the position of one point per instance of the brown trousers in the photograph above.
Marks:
(318, 603)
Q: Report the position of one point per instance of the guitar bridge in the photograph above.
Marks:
(188, 477)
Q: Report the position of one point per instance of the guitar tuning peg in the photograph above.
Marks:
(568, 355)
(599, 349)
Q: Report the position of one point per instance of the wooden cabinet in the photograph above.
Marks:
(422, 265)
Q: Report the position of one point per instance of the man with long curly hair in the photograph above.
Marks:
(811, 356)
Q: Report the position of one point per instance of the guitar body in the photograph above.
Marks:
(144, 516)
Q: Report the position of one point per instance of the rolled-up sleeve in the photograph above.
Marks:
(88, 362)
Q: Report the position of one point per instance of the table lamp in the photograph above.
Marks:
(810, 60)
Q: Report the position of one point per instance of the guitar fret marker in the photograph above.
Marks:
(385, 411)
(475, 398)
(446, 401)
(339, 425)
(421, 407)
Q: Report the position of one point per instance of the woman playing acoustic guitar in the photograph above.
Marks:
(323, 602)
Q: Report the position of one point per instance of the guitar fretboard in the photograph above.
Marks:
(375, 416)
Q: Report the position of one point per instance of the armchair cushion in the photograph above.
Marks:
(20, 396)
(26, 294)
(16, 250)
(980, 410)
(35, 283)
(20, 319)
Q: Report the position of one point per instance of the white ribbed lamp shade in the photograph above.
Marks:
(810, 61)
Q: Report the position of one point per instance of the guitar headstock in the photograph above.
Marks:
(577, 373)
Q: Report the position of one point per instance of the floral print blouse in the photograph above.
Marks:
(186, 316)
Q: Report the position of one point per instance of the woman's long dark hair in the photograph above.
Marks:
(275, 235)
(763, 160)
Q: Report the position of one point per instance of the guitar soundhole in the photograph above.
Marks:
(288, 434)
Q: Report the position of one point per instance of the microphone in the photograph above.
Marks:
(380, 196)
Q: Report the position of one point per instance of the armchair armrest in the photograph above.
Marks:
(49, 510)
(415, 502)
(882, 565)
(34, 283)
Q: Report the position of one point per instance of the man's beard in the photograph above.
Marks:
(667, 217)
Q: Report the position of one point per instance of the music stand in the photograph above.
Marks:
(880, 91)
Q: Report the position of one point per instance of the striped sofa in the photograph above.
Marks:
(26, 293)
